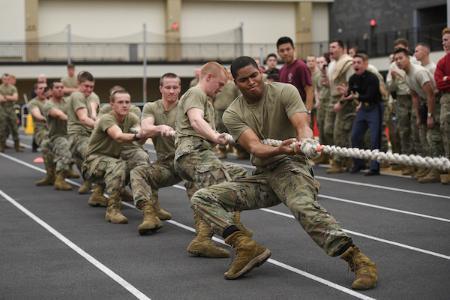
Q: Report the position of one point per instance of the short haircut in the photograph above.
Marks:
(446, 30)
(85, 76)
(285, 40)
(242, 62)
(113, 94)
(424, 45)
(54, 82)
(36, 84)
(70, 66)
(168, 75)
(213, 68)
(401, 41)
(401, 50)
(271, 55)
(362, 55)
(339, 42)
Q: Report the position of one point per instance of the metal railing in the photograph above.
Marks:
(377, 44)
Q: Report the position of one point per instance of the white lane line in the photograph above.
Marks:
(110, 273)
(272, 261)
(406, 212)
(281, 214)
(371, 237)
(280, 264)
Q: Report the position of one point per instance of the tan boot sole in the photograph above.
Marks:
(256, 262)
(123, 221)
(144, 231)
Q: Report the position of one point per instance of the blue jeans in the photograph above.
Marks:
(368, 119)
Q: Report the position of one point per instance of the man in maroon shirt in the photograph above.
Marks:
(442, 77)
(295, 71)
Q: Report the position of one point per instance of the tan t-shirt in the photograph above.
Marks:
(36, 103)
(164, 146)
(101, 143)
(70, 82)
(8, 90)
(269, 118)
(226, 96)
(417, 77)
(187, 138)
(56, 126)
(77, 101)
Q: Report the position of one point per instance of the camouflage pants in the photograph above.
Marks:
(134, 155)
(202, 168)
(445, 122)
(343, 127)
(290, 183)
(326, 137)
(147, 179)
(60, 148)
(420, 147)
(434, 135)
(42, 140)
(404, 123)
(10, 124)
(2, 124)
(106, 170)
(388, 122)
(78, 147)
(328, 124)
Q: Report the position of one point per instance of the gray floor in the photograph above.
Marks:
(72, 253)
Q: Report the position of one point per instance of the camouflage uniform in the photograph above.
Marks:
(326, 135)
(9, 114)
(41, 130)
(445, 122)
(133, 153)
(58, 140)
(279, 179)
(103, 164)
(344, 118)
(195, 160)
(78, 133)
(146, 180)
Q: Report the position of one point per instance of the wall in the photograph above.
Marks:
(101, 18)
(12, 20)
(263, 22)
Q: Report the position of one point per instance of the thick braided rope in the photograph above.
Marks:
(440, 163)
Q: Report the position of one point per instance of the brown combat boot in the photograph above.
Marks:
(248, 255)
(162, 214)
(408, 170)
(335, 168)
(17, 146)
(365, 270)
(202, 245)
(445, 178)
(433, 176)
(242, 228)
(150, 222)
(113, 213)
(421, 172)
(49, 178)
(97, 198)
(60, 183)
(85, 188)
